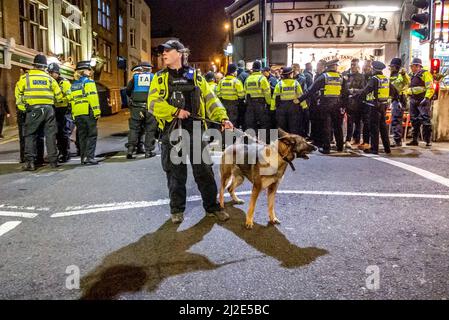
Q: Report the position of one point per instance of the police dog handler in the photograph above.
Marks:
(177, 96)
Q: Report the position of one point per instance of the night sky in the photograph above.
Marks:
(198, 23)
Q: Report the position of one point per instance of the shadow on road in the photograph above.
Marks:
(144, 265)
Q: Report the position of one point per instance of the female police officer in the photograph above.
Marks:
(177, 95)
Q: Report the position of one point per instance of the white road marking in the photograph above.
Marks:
(421, 172)
(27, 215)
(8, 226)
(9, 162)
(108, 208)
(10, 207)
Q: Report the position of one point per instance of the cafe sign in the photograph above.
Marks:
(247, 19)
(336, 27)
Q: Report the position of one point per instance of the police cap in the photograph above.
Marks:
(331, 63)
(416, 61)
(378, 66)
(54, 68)
(40, 61)
(83, 65)
(396, 62)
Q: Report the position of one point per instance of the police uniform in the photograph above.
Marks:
(61, 111)
(332, 90)
(421, 91)
(36, 94)
(138, 89)
(172, 90)
(230, 92)
(286, 104)
(378, 93)
(258, 99)
(398, 84)
(86, 111)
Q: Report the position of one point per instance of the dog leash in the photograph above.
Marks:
(243, 134)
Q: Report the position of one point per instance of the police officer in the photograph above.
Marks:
(61, 110)
(36, 94)
(258, 98)
(271, 79)
(316, 117)
(399, 80)
(421, 91)
(138, 89)
(231, 93)
(333, 93)
(285, 102)
(177, 95)
(86, 112)
(377, 93)
(210, 78)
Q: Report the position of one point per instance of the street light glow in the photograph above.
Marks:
(227, 26)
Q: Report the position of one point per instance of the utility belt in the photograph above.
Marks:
(138, 104)
(258, 99)
(37, 106)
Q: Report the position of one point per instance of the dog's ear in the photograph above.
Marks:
(282, 133)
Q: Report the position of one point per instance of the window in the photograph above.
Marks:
(132, 8)
(94, 46)
(132, 37)
(144, 18)
(33, 23)
(104, 14)
(71, 37)
(120, 28)
(107, 56)
(144, 45)
(1, 18)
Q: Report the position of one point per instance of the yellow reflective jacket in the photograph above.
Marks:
(66, 89)
(257, 86)
(210, 106)
(333, 84)
(287, 90)
(230, 88)
(421, 83)
(383, 89)
(84, 96)
(36, 87)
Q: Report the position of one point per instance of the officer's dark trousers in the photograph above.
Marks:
(304, 129)
(177, 178)
(378, 125)
(288, 116)
(232, 109)
(63, 135)
(366, 109)
(420, 116)
(40, 118)
(142, 119)
(257, 116)
(316, 125)
(241, 118)
(86, 126)
(333, 123)
(21, 117)
(354, 122)
(2, 121)
(397, 115)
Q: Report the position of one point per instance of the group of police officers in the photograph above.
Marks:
(178, 96)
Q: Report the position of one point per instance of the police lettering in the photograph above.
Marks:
(336, 25)
(40, 82)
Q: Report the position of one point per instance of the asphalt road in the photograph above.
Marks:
(353, 227)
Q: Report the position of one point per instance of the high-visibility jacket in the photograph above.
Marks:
(213, 86)
(158, 105)
(287, 90)
(230, 89)
(142, 82)
(383, 89)
(400, 83)
(84, 97)
(37, 88)
(333, 85)
(66, 89)
(257, 86)
(421, 85)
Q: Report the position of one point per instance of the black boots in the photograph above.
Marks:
(29, 166)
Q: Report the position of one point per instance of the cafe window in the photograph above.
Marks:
(33, 24)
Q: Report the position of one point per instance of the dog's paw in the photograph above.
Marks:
(249, 225)
(239, 201)
(275, 221)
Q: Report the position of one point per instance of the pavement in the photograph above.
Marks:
(353, 227)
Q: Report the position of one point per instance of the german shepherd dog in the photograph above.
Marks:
(264, 166)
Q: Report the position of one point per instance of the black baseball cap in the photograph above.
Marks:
(172, 44)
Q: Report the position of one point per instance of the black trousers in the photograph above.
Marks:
(366, 109)
(354, 121)
(304, 129)
(40, 119)
(316, 125)
(2, 121)
(420, 116)
(378, 125)
(333, 125)
(177, 176)
(86, 127)
(21, 116)
(142, 121)
(258, 117)
(63, 135)
(288, 117)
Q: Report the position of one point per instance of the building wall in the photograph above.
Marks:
(141, 23)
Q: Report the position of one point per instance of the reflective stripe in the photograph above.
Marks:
(153, 103)
(38, 90)
(209, 97)
(39, 97)
(333, 84)
(153, 91)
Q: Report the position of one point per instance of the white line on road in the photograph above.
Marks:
(28, 215)
(8, 226)
(108, 208)
(421, 172)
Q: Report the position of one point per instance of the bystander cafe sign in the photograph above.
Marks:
(335, 27)
(247, 19)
